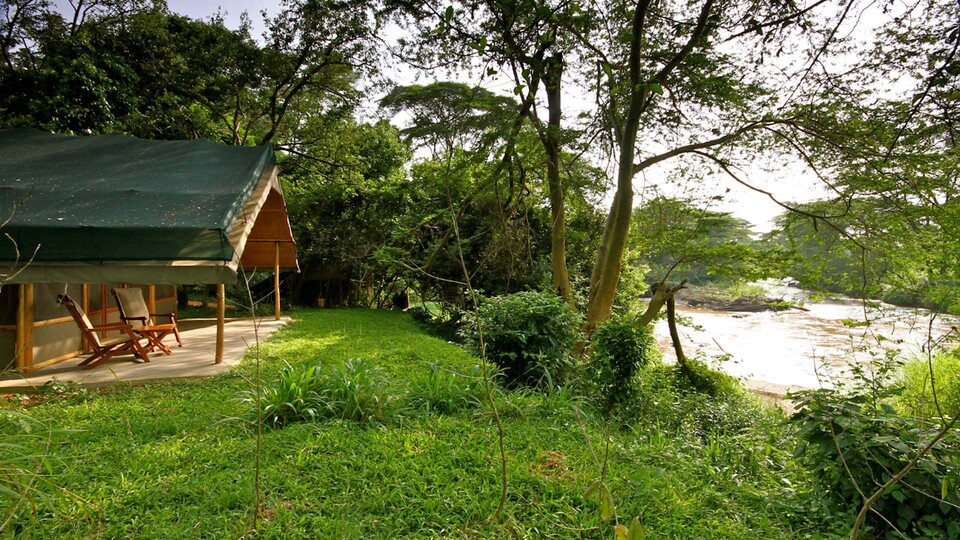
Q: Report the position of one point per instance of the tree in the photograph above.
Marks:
(344, 207)
(670, 79)
(678, 240)
(474, 134)
(135, 67)
(446, 116)
(891, 228)
(523, 37)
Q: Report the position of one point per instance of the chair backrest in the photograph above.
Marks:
(81, 318)
(132, 306)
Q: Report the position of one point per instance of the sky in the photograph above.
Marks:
(202, 9)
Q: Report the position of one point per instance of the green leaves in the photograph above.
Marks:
(620, 348)
(635, 532)
(602, 492)
(856, 443)
(693, 242)
(353, 391)
(479, 46)
(529, 335)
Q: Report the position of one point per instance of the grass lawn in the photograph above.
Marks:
(176, 459)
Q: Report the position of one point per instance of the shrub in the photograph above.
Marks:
(293, 398)
(354, 391)
(916, 399)
(444, 324)
(699, 377)
(445, 392)
(529, 335)
(664, 394)
(856, 441)
(620, 348)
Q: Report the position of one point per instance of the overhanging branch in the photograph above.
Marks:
(694, 147)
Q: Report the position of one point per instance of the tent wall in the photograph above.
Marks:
(55, 335)
(8, 326)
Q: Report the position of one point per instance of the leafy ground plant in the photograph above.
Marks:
(24, 465)
(354, 391)
(292, 398)
(442, 391)
(931, 386)
(857, 442)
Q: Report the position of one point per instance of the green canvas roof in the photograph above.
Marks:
(118, 201)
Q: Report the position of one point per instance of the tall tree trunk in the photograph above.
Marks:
(606, 270)
(551, 143)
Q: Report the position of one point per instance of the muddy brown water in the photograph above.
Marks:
(804, 349)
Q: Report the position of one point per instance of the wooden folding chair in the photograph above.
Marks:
(103, 349)
(133, 310)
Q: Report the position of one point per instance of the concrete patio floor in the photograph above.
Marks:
(194, 359)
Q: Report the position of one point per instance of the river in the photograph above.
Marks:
(796, 349)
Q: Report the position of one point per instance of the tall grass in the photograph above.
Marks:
(931, 387)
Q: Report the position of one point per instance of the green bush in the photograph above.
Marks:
(856, 441)
(444, 324)
(663, 393)
(619, 349)
(699, 377)
(354, 391)
(445, 392)
(917, 397)
(293, 398)
(529, 335)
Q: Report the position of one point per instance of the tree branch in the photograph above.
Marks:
(777, 22)
(868, 503)
(693, 147)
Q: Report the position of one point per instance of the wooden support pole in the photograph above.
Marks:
(221, 311)
(104, 307)
(276, 282)
(24, 345)
(152, 298)
(85, 301)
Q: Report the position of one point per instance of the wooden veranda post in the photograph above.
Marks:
(276, 283)
(25, 327)
(85, 302)
(221, 311)
(152, 298)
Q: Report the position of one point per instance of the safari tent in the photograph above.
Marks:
(83, 214)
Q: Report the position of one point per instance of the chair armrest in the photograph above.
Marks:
(171, 316)
(112, 326)
(143, 320)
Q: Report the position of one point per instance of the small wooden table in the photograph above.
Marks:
(155, 334)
